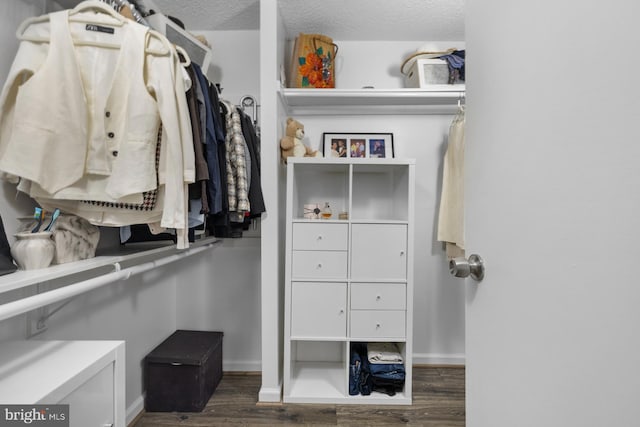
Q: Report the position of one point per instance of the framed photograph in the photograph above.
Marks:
(357, 145)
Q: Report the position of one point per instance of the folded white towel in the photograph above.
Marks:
(383, 352)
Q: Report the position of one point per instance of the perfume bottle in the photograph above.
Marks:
(326, 211)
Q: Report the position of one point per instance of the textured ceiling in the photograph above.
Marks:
(431, 20)
(210, 15)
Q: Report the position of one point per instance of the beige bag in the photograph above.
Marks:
(313, 62)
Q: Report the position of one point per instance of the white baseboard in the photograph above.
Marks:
(439, 359)
(270, 395)
(135, 408)
(242, 365)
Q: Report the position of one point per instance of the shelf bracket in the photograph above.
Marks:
(37, 319)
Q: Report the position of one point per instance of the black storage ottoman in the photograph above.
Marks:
(183, 371)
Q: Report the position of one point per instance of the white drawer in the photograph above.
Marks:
(378, 296)
(378, 324)
(320, 237)
(319, 264)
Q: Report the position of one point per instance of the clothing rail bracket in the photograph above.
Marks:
(249, 101)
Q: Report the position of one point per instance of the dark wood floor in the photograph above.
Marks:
(438, 401)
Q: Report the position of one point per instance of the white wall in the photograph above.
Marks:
(377, 63)
(222, 293)
(236, 62)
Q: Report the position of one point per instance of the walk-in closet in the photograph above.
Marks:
(363, 229)
(234, 281)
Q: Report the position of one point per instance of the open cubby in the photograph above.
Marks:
(380, 192)
(319, 184)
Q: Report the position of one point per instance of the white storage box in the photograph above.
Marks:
(425, 72)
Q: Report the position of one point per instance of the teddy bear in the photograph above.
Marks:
(291, 144)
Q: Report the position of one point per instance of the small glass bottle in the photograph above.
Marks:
(326, 211)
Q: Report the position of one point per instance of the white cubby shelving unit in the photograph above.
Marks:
(347, 280)
(355, 283)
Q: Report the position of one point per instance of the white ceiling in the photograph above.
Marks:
(429, 20)
(210, 15)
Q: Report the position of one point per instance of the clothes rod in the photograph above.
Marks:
(15, 308)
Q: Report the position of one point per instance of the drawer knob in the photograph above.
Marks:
(401, 253)
(378, 325)
(319, 236)
(342, 311)
(319, 265)
(378, 297)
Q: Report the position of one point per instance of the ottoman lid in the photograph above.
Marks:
(186, 348)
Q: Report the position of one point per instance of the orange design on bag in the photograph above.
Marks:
(313, 71)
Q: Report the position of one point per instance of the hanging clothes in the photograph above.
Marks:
(256, 199)
(79, 121)
(149, 198)
(451, 215)
(213, 137)
(244, 200)
(198, 190)
(236, 166)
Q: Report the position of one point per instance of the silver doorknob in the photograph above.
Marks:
(473, 267)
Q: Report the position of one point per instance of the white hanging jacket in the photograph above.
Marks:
(80, 122)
